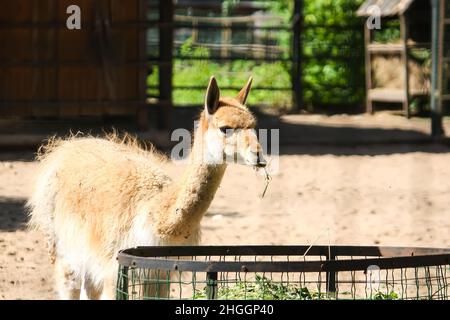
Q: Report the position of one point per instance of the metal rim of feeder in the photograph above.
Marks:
(168, 258)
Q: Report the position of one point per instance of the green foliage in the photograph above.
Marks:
(189, 50)
(265, 289)
(282, 9)
(389, 32)
(331, 12)
(386, 296)
(421, 54)
(333, 52)
(231, 74)
(262, 289)
(227, 6)
(152, 81)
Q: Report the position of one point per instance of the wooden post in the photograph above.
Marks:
(36, 72)
(194, 31)
(226, 38)
(166, 12)
(436, 67)
(55, 53)
(368, 65)
(404, 36)
(142, 112)
(296, 74)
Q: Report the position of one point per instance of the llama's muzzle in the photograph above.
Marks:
(260, 162)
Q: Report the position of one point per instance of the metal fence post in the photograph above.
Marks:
(331, 276)
(122, 284)
(296, 74)
(211, 285)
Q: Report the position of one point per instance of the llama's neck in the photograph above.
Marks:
(191, 196)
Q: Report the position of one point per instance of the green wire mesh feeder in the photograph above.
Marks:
(283, 272)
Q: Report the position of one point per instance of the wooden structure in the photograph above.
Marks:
(49, 71)
(226, 48)
(409, 12)
(440, 66)
(443, 44)
(100, 72)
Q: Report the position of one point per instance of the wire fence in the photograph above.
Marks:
(283, 273)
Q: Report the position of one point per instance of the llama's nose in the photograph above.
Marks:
(261, 162)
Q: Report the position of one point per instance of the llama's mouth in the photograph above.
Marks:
(257, 165)
(256, 162)
(261, 164)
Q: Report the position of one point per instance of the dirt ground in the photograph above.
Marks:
(377, 195)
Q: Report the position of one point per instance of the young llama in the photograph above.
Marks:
(94, 197)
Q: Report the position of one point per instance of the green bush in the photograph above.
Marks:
(333, 42)
(389, 33)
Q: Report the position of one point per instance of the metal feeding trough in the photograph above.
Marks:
(283, 272)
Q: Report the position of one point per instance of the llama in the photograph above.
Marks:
(96, 196)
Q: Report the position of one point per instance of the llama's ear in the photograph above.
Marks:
(243, 94)
(212, 96)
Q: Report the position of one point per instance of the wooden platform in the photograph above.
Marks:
(393, 95)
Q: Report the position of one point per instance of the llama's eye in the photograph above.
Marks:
(226, 130)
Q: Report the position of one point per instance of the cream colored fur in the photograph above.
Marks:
(94, 197)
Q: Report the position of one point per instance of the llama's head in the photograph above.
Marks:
(228, 128)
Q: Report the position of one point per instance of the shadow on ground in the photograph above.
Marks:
(17, 155)
(12, 214)
(364, 150)
(295, 138)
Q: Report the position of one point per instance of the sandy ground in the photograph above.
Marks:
(378, 195)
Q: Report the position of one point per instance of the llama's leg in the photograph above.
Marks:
(90, 291)
(109, 289)
(67, 282)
